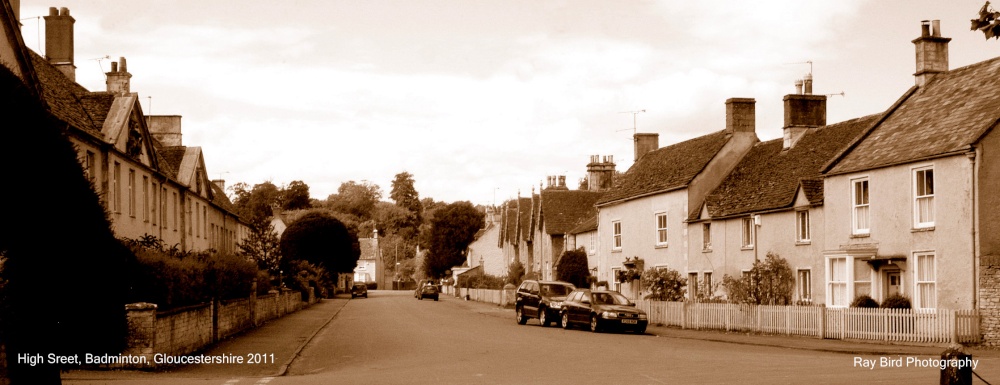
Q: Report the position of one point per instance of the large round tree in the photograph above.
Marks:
(323, 240)
(452, 229)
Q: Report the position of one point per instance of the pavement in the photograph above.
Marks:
(287, 336)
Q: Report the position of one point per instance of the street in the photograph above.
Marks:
(394, 338)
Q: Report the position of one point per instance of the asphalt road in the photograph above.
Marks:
(393, 338)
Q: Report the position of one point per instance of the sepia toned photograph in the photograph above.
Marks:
(223, 192)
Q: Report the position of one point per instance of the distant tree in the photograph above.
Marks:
(357, 199)
(295, 196)
(64, 281)
(988, 22)
(391, 219)
(452, 229)
(322, 240)
(515, 273)
(406, 196)
(573, 267)
(257, 203)
(261, 246)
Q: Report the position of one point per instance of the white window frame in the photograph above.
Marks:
(116, 188)
(861, 206)
(693, 285)
(616, 235)
(660, 219)
(616, 285)
(593, 243)
(928, 197)
(802, 230)
(833, 283)
(131, 193)
(923, 280)
(706, 236)
(747, 232)
(707, 280)
(803, 279)
(145, 198)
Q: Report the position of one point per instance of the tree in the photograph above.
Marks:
(663, 284)
(769, 282)
(406, 196)
(261, 246)
(988, 22)
(64, 281)
(256, 204)
(573, 267)
(515, 273)
(452, 229)
(357, 199)
(322, 240)
(295, 196)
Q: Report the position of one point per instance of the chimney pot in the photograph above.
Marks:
(925, 28)
(114, 66)
(798, 87)
(53, 11)
(807, 84)
(936, 28)
(63, 11)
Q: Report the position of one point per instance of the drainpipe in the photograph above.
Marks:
(973, 163)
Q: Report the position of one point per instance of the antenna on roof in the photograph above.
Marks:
(841, 94)
(38, 31)
(634, 113)
(99, 60)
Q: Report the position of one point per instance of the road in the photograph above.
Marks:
(393, 338)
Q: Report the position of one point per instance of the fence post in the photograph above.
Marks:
(822, 322)
(954, 326)
(684, 315)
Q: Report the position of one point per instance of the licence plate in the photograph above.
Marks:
(630, 321)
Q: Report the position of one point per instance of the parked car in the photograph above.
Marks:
(427, 290)
(602, 309)
(359, 290)
(540, 299)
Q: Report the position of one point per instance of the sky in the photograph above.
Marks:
(482, 100)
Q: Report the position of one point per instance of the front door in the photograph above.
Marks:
(892, 283)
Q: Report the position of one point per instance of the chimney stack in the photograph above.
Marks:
(221, 183)
(600, 172)
(562, 182)
(931, 50)
(740, 115)
(165, 128)
(119, 79)
(59, 41)
(645, 143)
(802, 112)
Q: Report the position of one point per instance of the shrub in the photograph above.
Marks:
(864, 301)
(769, 282)
(663, 284)
(515, 273)
(481, 281)
(896, 301)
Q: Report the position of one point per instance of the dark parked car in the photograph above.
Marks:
(602, 309)
(427, 290)
(359, 290)
(540, 299)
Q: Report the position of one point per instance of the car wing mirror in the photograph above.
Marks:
(632, 304)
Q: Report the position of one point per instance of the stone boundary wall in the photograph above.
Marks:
(989, 299)
(191, 329)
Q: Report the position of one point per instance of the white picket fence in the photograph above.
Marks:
(481, 295)
(897, 325)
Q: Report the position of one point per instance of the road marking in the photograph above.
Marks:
(232, 381)
(651, 378)
(264, 380)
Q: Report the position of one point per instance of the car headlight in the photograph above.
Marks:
(555, 305)
(609, 314)
(642, 316)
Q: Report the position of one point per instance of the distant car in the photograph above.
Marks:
(602, 309)
(540, 299)
(359, 290)
(427, 290)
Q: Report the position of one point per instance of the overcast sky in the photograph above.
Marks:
(482, 99)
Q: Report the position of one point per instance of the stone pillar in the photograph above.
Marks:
(141, 330)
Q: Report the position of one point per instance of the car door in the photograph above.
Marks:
(531, 299)
(581, 310)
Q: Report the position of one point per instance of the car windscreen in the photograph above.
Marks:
(556, 290)
(610, 298)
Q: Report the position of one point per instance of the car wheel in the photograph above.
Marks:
(595, 325)
(519, 313)
(435, 298)
(543, 317)
(565, 320)
(366, 295)
(640, 331)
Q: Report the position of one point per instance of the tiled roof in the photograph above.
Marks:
(562, 210)
(97, 104)
(367, 248)
(768, 177)
(172, 157)
(63, 96)
(220, 199)
(524, 218)
(813, 188)
(587, 225)
(510, 223)
(947, 115)
(666, 168)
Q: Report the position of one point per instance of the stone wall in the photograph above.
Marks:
(194, 328)
(989, 299)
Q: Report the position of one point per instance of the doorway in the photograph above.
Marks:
(892, 283)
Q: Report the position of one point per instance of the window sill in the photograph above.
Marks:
(708, 250)
(922, 229)
(803, 243)
(746, 248)
(865, 235)
(616, 250)
(661, 246)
